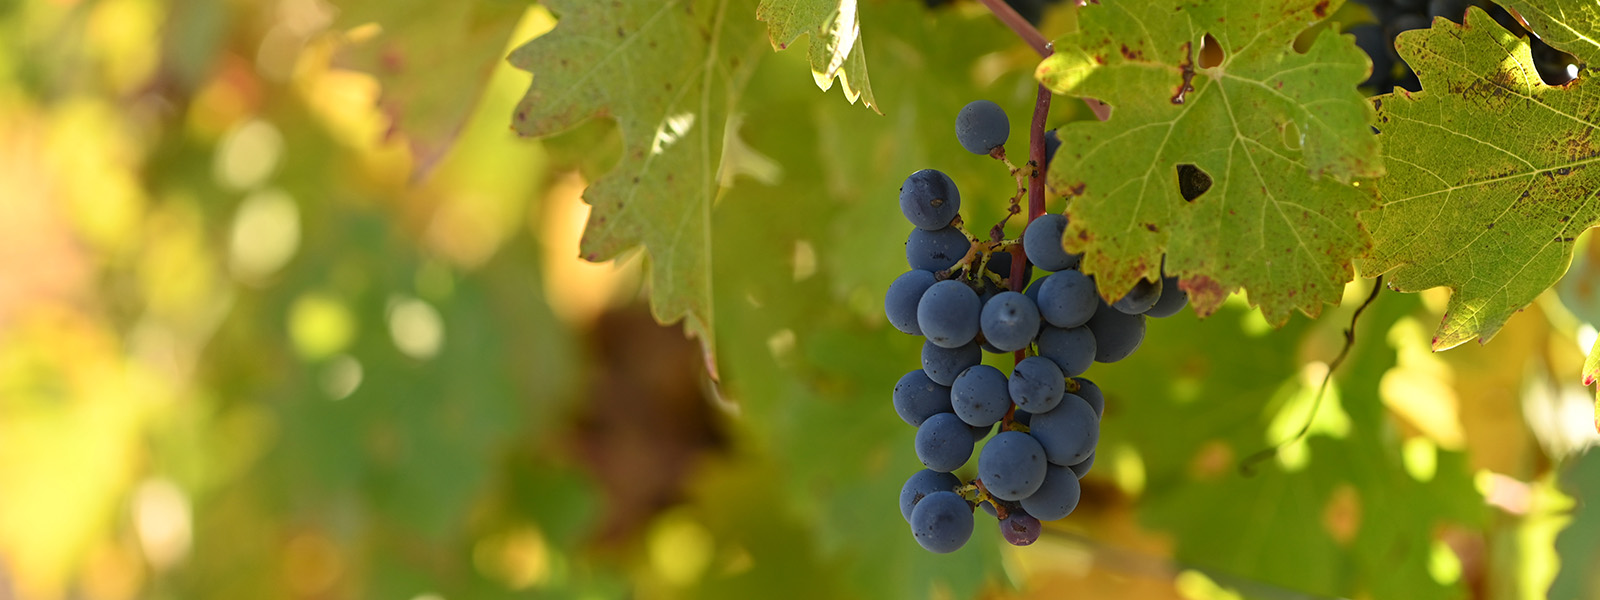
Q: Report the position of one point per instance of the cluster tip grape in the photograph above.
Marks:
(1042, 420)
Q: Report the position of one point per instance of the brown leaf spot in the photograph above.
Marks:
(1320, 10)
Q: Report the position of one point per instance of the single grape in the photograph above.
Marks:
(982, 126)
(1068, 433)
(1020, 528)
(943, 364)
(929, 199)
(979, 396)
(1009, 321)
(944, 442)
(1082, 468)
(1041, 241)
(1173, 299)
(921, 484)
(1116, 334)
(1012, 465)
(948, 314)
(978, 433)
(1068, 299)
(1073, 350)
(1033, 292)
(936, 250)
(1091, 393)
(1052, 143)
(900, 302)
(916, 397)
(1037, 384)
(1057, 497)
(942, 522)
(1140, 299)
(1000, 264)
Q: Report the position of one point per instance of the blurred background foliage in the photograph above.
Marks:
(287, 311)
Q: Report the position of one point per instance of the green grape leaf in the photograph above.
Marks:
(432, 60)
(836, 48)
(670, 73)
(1570, 25)
(1489, 176)
(1579, 576)
(1280, 135)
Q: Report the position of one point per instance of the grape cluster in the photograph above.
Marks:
(1396, 16)
(1045, 418)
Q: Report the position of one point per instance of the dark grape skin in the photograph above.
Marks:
(982, 126)
(1020, 528)
(1052, 143)
(1037, 384)
(1140, 299)
(980, 396)
(1082, 468)
(1172, 300)
(942, 522)
(1041, 241)
(1068, 433)
(936, 250)
(929, 199)
(943, 364)
(1091, 393)
(948, 314)
(944, 442)
(900, 302)
(1009, 321)
(1068, 299)
(1056, 497)
(1012, 465)
(1073, 350)
(921, 484)
(1116, 334)
(917, 398)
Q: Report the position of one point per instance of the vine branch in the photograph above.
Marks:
(1247, 467)
(1021, 26)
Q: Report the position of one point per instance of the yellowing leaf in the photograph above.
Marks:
(836, 49)
(432, 60)
(1280, 135)
(670, 73)
(1570, 25)
(1490, 175)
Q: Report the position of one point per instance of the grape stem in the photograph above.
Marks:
(1037, 41)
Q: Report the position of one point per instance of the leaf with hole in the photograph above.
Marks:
(1274, 137)
(670, 72)
(1491, 173)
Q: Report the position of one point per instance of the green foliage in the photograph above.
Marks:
(671, 73)
(1281, 135)
(836, 49)
(432, 60)
(1580, 558)
(1566, 24)
(1485, 204)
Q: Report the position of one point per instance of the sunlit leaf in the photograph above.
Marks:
(1281, 136)
(1490, 175)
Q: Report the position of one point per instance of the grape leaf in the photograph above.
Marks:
(1579, 576)
(1570, 25)
(1489, 176)
(432, 60)
(836, 48)
(1280, 135)
(670, 73)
